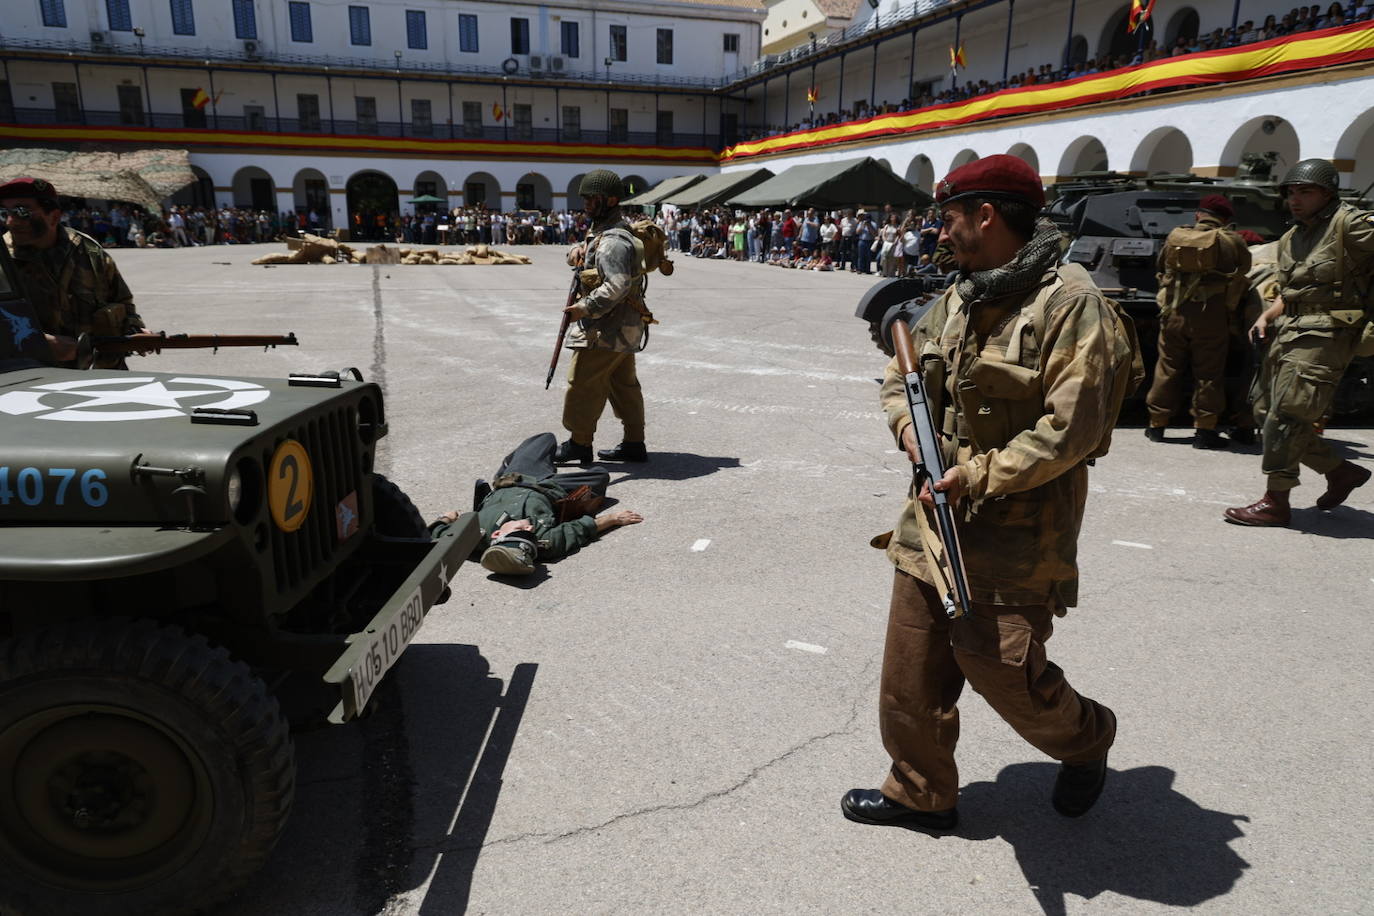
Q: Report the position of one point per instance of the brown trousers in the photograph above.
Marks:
(1000, 650)
(594, 377)
(1194, 334)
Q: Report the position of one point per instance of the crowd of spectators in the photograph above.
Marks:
(130, 226)
(1299, 19)
(477, 225)
(889, 242)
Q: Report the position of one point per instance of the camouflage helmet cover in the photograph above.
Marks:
(603, 182)
(1319, 172)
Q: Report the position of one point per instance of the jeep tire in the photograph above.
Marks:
(141, 770)
(396, 515)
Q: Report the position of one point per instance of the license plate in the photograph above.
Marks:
(386, 644)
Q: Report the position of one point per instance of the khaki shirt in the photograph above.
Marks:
(1322, 281)
(1019, 429)
(75, 288)
(615, 304)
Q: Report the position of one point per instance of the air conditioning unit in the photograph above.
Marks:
(100, 38)
(556, 63)
(536, 62)
(250, 50)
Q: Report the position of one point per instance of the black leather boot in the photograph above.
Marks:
(572, 453)
(1209, 439)
(625, 451)
(871, 806)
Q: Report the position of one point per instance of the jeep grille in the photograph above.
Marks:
(331, 441)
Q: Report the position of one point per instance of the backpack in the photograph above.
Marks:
(651, 245)
(1191, 250)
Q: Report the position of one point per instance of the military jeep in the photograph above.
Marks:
(176, 550)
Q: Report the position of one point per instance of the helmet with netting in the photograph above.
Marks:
(603, 182)
(1319, 172)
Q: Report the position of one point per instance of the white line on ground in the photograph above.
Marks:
(1132, 544)
(701, 544)
(805, 647)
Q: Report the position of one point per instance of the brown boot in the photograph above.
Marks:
(1271, 510)
(1340, 482)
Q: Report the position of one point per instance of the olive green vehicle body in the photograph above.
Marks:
(171, 544)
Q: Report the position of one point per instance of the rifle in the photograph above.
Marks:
(89, 346)
(949, 566)
(563, 328)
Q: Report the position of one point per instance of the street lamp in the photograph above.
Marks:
(608, 69)
(398, 59)
(138, 33)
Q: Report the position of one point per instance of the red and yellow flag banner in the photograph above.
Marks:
(1139, 13)
(812, 95)
(957, 59)
(200, 99)
(1309, 51)
(497, 111)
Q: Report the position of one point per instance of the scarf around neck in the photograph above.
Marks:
(1019, 274)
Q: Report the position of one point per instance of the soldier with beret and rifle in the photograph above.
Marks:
(1319, 319)
(1025, 364)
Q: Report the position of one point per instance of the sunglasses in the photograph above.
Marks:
(17, 212)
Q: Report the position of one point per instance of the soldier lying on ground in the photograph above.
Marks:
(529, 512)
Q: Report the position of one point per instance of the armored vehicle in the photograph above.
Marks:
(176, 551)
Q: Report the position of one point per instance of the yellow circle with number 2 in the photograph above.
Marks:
(290, 481)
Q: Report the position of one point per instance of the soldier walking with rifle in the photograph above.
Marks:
(1009, 385)
(612, 327)
(71, 282)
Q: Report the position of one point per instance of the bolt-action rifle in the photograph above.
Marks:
(563, 328)
(89, 346)
(949, 565)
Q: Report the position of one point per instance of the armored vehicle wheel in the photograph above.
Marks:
(141, 771)
(396, 515)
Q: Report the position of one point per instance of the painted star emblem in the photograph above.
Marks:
(443, 575)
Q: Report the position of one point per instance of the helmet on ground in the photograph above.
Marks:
(603, 182)
(1319, 172)
(512, 554)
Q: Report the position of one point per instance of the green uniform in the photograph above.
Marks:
(518, 496)
(605, 343)
(1021, 408)
(75, 288)
(1197, 311)
(1325, 275)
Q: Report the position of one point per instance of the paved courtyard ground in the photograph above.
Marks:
(665, 722)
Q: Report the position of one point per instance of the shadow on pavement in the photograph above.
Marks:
(674, 466)
(1144, 839)
(1341, 522)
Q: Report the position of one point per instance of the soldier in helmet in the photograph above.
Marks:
(613, 327)
(1324, 298)
(71, 282)
(1202, 283)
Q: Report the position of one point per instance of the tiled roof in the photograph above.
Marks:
(755, 5)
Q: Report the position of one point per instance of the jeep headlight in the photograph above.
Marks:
(234, 490)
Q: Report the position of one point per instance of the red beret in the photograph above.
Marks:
(37, 188)
(1000, 176)
(1250, 236)
(1218, 205)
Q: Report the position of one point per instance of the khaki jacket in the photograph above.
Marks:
(1225, 287)
(614, 298)
(1325, 272)
(1019, 412)
(76, 289)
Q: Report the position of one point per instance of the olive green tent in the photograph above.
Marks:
(718, 188)
(656, 194)
(831, 185)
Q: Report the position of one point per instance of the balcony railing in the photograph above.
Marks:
(201, 58)
(324, 127)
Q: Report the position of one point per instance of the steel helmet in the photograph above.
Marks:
(603, 182)
(1319, 172)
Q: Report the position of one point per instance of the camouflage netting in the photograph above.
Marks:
(314, 249)
(143, 177)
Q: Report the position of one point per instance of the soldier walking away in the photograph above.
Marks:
(612, 327)
(1201, 285)
(530, 513)
(70, 281)
(1318, 320)
(1022, 358)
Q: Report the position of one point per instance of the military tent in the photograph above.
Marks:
(831, 185)
(143, 177)
(718, 188)
(656, 194)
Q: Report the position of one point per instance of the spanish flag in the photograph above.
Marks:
(812, 94)
(958, 61)
(1139, 13)
(497, 111)
(201, 98)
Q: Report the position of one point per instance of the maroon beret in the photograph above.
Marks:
(1250, 236)
(1218, 206)
(37, 188)
(1001, 176)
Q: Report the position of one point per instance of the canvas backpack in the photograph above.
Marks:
(651, 246)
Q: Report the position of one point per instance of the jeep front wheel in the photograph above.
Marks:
(141, 770)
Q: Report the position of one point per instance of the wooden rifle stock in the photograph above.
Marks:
(562, 329)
